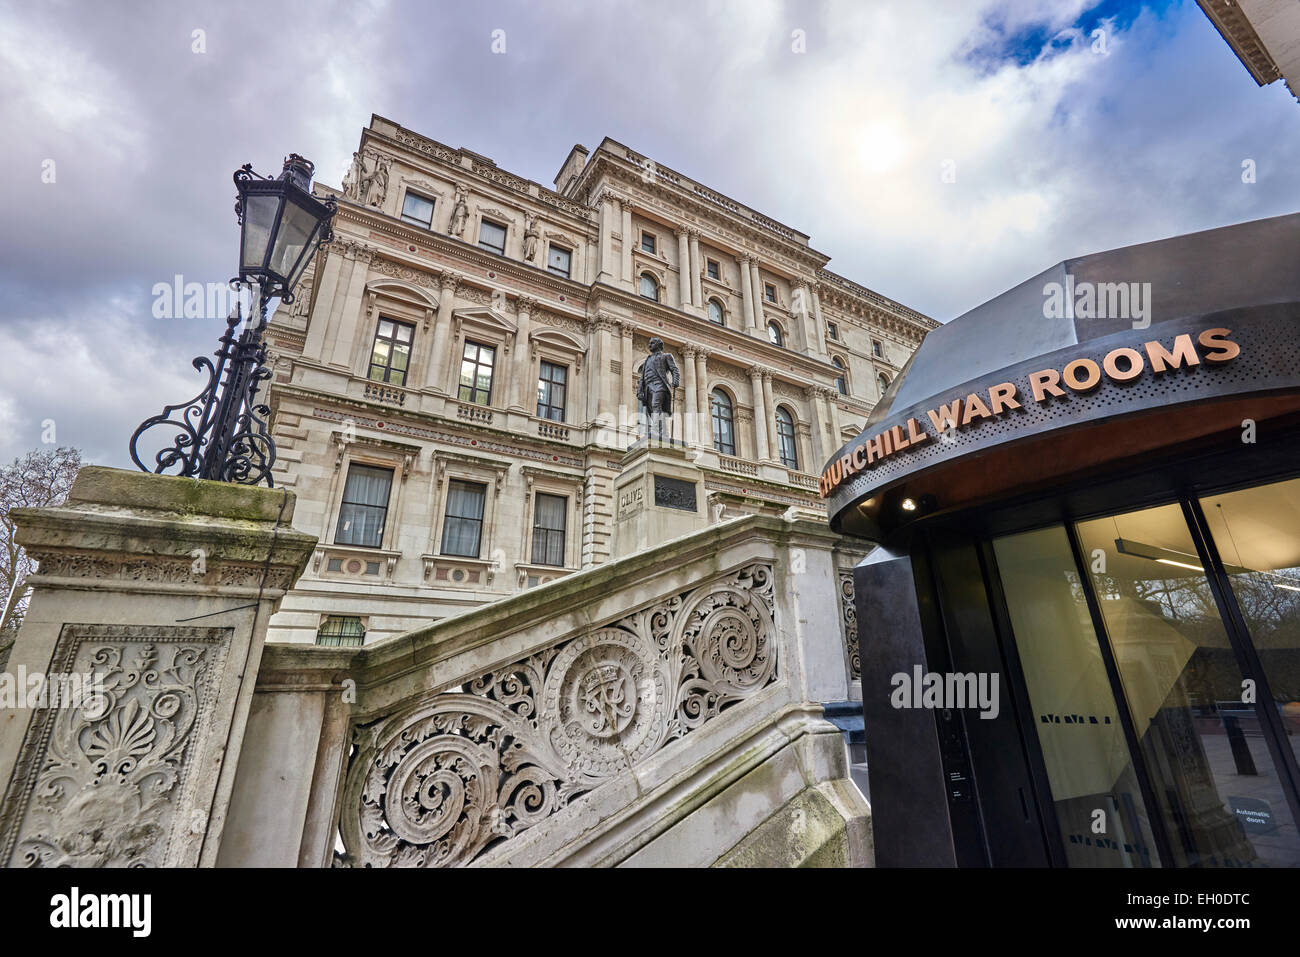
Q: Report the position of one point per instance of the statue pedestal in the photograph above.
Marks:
(659, 495)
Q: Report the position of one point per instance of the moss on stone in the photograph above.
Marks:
(99, 485)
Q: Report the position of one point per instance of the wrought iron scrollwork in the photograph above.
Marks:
(222, 432)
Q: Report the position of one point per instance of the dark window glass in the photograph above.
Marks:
(713, 270)
(548, 529)
(785, 439)
(769, 292)
(417, 210)
(724, 433)
(649, 287)
(648, 242)
(774, 335)
(364, 507)
(715, 313)
(841, 383)
(462, 530)
(492, 236)
(559, 260)
(832, 330)
(390, 356)
(877, 349)
(476, 373)
(339, 631)
(552, 381)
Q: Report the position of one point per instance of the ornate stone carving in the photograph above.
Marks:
(377, 184)
(849, 618)
(398, 271)
(444, 779)
(105, 783)
(530, 238)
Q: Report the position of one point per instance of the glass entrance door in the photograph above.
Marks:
(1161, 653)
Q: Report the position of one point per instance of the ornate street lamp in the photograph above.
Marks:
(221, 433)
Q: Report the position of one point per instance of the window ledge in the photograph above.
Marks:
(544, 573)
(361, 555)
(456, 571)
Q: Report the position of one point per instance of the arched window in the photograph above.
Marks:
(649, 287)
(841, 381)
(884, 383)
(724, 433)
(774, 335)
(715, 313)
(785, 438)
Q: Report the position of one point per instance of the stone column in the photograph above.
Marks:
(326, 289)
(817, 317)
(350, 317)
(815, 396)
(625, 404)
(747, 294)
(703, 402)
(697, 292)
(522, 379)
(684, 267)
(627, 245)
(436, 375)
(802, 307)
(832, 401)
(760, 321)
(605, 329)
(692, 431)
(159, 588)
(605, 266)
(761, 448)
(773, 452)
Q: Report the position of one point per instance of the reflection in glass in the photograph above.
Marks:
(1088, 762)
(1218, 791)
(1257, 534)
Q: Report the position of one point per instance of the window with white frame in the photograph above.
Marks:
(476, 368)
(462, 527)
(417, 210)
(364, 508)
(716, 314)
(550, 521)
(789, 451)
(649, 287)
(559, 260)
(552, 386)
(492, 236)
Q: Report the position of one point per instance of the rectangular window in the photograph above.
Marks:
(463, 529)
(417, 210)
(476, 366)
(832, 330)
(559, 260)
(548, 529)
(492, 236)
(713, 270)
(390, 356)
(648, 242)
(340, 631)
(769, 292)
(552, 381)
(364, 508)
(877, 349)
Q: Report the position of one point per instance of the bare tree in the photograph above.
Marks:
(38, 479)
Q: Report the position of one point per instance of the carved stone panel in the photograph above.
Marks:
(110, 781)
(446, 777)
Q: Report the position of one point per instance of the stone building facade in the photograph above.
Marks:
(454, 387)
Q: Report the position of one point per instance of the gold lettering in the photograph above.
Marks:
(1002, 397)
(1135, 364)
(946, 416)
(1044, 383)
(975, 409)
(1072, 375)
(1217, 339)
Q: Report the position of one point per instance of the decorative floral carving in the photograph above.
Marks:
(101, 784)
(849, 618)
(445, 778)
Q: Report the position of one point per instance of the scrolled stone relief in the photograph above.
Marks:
(104, 783)
(442, 780)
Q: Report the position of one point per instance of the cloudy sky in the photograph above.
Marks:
(1060, 139)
